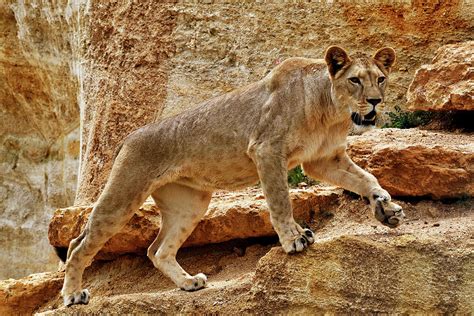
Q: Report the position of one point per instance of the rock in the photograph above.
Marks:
(23, 296)
(416, 163)
(362, 274)
(352, 268)
(230, 216)
(39, 131)
(447, 83)
(124, 73)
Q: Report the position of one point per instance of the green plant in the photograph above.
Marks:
(296, 176)
(405, 119)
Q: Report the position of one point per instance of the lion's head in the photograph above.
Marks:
(359, 81)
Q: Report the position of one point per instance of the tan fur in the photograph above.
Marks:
(298, 114)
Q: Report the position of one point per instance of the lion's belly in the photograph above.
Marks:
(225, 175)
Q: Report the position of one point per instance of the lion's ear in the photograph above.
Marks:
(386, 56)
(336, 58)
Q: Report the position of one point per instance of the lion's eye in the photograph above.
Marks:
(354, 80)
(381, 79)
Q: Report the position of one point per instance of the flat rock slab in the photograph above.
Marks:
(231, 215)
(360, 274)
(417, 163)
(447, 83)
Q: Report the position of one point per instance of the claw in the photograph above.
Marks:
(304, 241)
(388, 213)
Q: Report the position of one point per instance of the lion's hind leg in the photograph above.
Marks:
(181, 210)
(116, 205)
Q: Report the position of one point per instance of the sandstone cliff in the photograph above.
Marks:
(39, 131)
(145, 60)
(115, 66)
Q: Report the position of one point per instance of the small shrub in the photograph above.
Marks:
(405, 119)
(296, 176)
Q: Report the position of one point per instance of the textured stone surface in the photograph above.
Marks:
(124, 76)
(352, 274)
(412, 162)
(447, 83)
(23, 296)
(39, 131)
(424, 266)
(145, 60)
(230, 216)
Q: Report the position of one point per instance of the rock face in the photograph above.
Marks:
(230, 216)
(148, 60)
(124, 73)
(361, 274)
(417, 163)
(447, 83)
(39, 131)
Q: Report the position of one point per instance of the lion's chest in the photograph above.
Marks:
(312, 146)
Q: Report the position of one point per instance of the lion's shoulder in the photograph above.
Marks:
(300, 65)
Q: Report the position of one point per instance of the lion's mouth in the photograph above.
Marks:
(368, 119)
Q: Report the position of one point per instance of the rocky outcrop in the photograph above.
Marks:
(39, 131)
(417, 163)
(447, 83)
(23, 296)
(367, 274)
(355, 266)
(230, 216)
(124, 74)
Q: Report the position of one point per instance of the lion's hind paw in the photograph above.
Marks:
(81, 297)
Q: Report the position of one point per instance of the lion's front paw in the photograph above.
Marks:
(81, 297)
(388, 213)
(299, 242)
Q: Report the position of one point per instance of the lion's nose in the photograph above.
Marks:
(374, 102)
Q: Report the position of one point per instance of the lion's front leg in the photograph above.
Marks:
(271, 166)
(342, 171)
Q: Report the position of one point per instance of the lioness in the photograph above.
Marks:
(300, 113)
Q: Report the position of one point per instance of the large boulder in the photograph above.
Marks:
(447, 83)
(417, 163)
(230, 216)
(368, 274)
